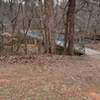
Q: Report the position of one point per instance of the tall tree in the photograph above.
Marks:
(48, 11)
(69, 34)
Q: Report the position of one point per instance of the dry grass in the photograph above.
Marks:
(50, 78)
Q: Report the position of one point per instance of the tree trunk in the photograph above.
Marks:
(69, 35)
(48, 11)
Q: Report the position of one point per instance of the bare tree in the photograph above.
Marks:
(69, 35)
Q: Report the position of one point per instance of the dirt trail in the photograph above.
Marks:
(92, 52)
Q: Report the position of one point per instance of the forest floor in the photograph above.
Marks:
(47, 77)
(94, 45)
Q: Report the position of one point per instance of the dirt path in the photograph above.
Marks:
(92, 52)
